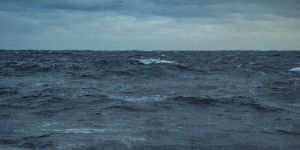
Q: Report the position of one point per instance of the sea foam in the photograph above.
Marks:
(80, 131)
(296, 69)
(155, 61)
(141, 99)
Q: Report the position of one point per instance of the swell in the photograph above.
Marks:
(128, 108)
(239, 102)
(131, 67)
(282, 131)
(20, 68)
(171, 103)
(204, 101)
(8, 91)
(139, 70)
(51, 106)
(29, 142)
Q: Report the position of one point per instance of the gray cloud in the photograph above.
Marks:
(171, 8)
(150, 24)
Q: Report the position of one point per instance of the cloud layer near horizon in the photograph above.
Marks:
(150, 24)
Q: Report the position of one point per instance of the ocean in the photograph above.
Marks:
(165, 100)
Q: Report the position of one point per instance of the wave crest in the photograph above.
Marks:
(296, 69)
(150, 61)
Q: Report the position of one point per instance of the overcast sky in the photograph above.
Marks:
(150, 24)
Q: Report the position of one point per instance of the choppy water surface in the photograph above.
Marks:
(68, 100)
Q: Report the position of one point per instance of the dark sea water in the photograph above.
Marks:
(85, 100)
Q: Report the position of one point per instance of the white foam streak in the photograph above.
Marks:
(151, 98)
(80, 131)
(296, 69)
(155, 61)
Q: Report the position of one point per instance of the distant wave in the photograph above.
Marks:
(155, 61)
(196, 100)
(150, 98)
(80, 131)
(233, 101)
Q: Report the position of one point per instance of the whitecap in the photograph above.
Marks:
(150, 98)
(296, 69)
(48, 124)
(80, 131)
(155, 61)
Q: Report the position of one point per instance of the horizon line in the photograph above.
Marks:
(149, 50)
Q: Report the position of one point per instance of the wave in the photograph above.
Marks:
(8, 91)
(232, 101)
(4, 141)
(128, 108)
(296, 69)
(114, 63)
(260, 107)
(196, 100)
(283, 131)
(29, 142)
(80, 131)
(150, 61)
(140, 99)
